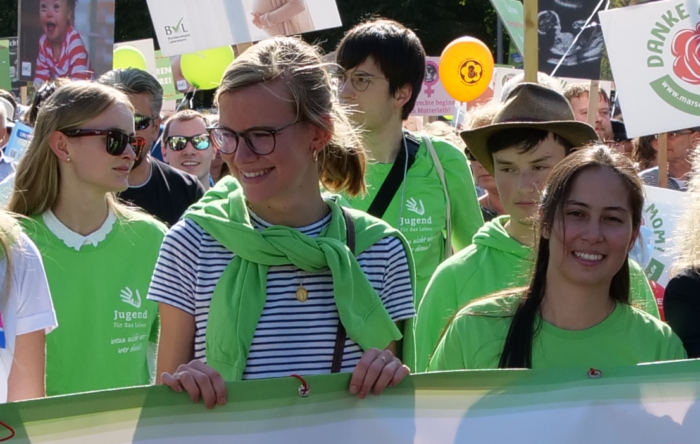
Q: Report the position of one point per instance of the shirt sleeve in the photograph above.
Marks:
(78, 59)
(466, 213)
(682, 309)
(31, 289)
(397, 291)
(174, 276)
(449, 354)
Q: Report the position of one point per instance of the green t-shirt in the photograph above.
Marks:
(99, 294)
(422, 214)
(419, 211)
(494, 262)
(474, 340)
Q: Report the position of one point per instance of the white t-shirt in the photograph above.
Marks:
(28, 307)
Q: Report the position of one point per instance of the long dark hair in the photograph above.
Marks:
(517, 349)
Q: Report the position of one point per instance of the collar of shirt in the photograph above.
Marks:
(76, 240)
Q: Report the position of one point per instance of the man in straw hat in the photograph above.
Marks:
(534, 130)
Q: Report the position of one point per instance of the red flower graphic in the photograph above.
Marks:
(686, 49)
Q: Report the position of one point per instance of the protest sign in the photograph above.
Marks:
(184, 26)
(655, 64)
(74, 42)
(145, 47)
(662, 209)
(570, 38)
(433, 99)
(164, 74)
(511, 13)
(19, 140)
(5, 73)
(647, 404)
(502, 74)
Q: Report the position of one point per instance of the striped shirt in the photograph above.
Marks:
(651, 177)
(291, 337)
(72, 62)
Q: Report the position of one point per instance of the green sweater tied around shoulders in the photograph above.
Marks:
(240, 294)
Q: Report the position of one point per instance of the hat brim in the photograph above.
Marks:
(576, 133)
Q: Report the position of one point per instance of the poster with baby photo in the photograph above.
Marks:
(570, 38)
(184, 26)
(65, 38)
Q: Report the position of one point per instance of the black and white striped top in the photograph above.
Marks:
(291, 337)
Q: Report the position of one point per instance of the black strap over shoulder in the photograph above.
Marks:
(341, 335)
(395, 177)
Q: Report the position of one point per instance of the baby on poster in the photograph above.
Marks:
(62, 52)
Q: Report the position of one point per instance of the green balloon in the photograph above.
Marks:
(205, 69)
(128, 57)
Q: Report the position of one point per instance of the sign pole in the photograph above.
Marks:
(23, 95)
(530, 60)
(593, 97)
(662, 158)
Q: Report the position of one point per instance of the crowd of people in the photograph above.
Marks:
(304, 231)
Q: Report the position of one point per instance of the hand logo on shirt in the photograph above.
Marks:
(416, 207)
(128, 296)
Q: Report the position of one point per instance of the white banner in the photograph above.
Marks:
(184, 26)
(654, 54)
(501, 75)
(659, 236)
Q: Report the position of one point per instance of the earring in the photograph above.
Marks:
(314, 156)
(68, 159)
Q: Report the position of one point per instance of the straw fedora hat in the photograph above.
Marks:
(530, 105)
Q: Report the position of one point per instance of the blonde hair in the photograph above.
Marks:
(444, 131)
(576, 90)
(37, 178)
(482, 115)
(342, 162)
(688, 229)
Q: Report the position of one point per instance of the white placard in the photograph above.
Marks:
(653, 51)
(184, 26)
(501, 75)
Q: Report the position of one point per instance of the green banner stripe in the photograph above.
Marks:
(256, 406)
(676, 96)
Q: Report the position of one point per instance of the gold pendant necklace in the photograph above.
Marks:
(302, 294)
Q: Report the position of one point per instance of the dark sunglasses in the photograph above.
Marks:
(115, 141)
(142, 122)
(178, 143)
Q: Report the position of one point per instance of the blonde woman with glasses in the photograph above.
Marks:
(98, 254)
(265, 278)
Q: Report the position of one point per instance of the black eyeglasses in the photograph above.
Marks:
(178, 143)
(260, 140)
(142, 122)
(115, 141)
(359, 80)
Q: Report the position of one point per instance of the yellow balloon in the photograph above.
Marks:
(466, 68)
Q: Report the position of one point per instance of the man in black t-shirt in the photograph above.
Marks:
(159, 189)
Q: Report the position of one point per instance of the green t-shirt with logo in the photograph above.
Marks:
(628, 336)
(419, 211)
(493, 263)
(99, 294)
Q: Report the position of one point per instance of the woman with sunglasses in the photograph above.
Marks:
(576, 310)
(187, 146)
(265, 278)
(98, 254)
